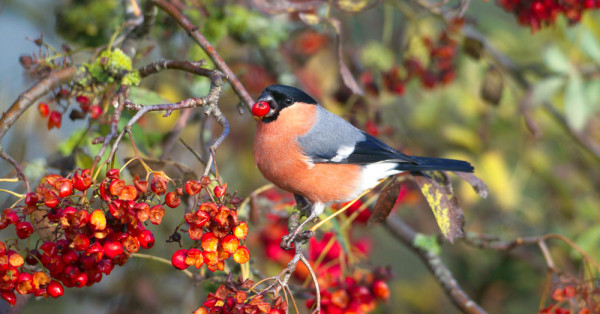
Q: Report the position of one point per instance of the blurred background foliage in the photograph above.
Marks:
(541, 179)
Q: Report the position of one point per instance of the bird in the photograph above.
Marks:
(321, 158)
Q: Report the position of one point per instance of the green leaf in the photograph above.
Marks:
(556, 61)
(546, 88)
(588, 241)
(590, 45)
(428, 243)
(592, 95)
(83, 160)
(575, 104)
(67, 146)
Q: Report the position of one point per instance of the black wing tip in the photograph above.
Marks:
(437, 164)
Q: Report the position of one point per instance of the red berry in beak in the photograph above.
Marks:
(260, 109)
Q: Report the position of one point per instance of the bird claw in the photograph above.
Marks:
(296, 235)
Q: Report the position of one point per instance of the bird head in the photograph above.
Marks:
(276, 98)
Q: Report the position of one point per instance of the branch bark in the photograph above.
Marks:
(193, 32)
(25, 100)
(436, 266)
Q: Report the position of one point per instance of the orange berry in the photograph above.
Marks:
(98, 220)
(209, 242)
(241, 255)
(241, 230)
(230, 244)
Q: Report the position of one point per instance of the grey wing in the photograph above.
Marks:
(334, 140)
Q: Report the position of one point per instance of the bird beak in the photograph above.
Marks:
(265, 107)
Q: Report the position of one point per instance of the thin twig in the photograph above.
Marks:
(161, 260)
(192, 30)
(435, 265)
(26, 100)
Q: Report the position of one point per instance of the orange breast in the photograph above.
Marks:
(279, 158)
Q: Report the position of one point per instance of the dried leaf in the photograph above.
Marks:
(437, 190)
(347, 77)
(492, 86)
(473, 47)
(385, 202)
(478, 185)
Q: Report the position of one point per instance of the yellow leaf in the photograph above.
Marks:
(494, 171)
(462, 136)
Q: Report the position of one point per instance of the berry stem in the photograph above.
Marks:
(341, 210)
(161, 260)
(13, 193)
(9, 179)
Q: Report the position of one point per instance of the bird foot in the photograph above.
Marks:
(296, 235)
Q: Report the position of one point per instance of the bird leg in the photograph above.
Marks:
(303, 208)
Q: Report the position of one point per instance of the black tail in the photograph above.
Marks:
(438, 164)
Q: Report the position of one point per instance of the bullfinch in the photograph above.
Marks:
(321, 158)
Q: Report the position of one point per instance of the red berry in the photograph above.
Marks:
(55, 289)
(49, 248)
(95, 112)
(159, 183)
(81, 242)
(55, 120)
(24, 229)
(43, 108)
(113, 248)
(80, 279)
(146, 239)
(192, 187)
(219, 190)
(260, 109)
(96, 250)
(65, 188)
(9, 296)
(113, 174)
(178, 259)
(381, 290)
(84, 102)
(10, 216)
(31, 199)
(172, 200)
(82, 181)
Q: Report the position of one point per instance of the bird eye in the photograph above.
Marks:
(288, 101)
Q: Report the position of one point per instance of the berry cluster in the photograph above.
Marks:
(581, 297)
(215, 229)
(235, 297)
(358, 293)
(61, 100)
(87, 229)
(539, 13)
(438, 70)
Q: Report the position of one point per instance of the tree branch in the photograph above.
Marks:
(193, 32)
(434, 263)
(25, 100)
